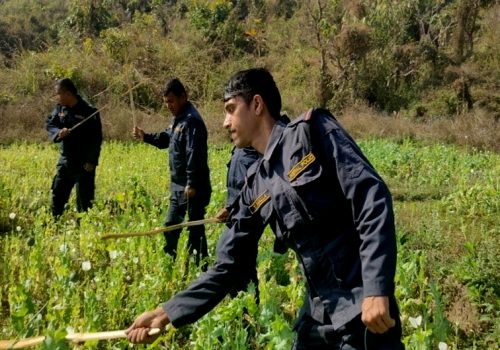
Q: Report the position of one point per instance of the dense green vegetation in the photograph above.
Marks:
(417, 81)
(59, 277)
(409, 62)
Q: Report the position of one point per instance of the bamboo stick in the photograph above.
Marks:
(76, 338)
(103, 108)
(21, 343)
(83, 337)
(161, 229)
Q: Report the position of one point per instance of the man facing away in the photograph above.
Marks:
(323, 199)
(190, 188)
(237, 167)
(76, 125)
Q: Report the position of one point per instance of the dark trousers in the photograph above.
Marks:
(247, 276)
(65, 179)
(195, 208)
(313, 335)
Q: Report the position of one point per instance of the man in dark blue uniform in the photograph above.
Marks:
(237, 167)
(76, 125)
(190, 188)
(324, 200)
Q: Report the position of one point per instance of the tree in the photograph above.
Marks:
(466, 17)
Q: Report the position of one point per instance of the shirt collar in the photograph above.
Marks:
(184, 111)
(274, 139)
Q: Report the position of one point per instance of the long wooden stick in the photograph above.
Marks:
(99, 110)
(103, 108)
(76, 338)
(83, 337)
(161, 229)
(132, 105)
(21, 343)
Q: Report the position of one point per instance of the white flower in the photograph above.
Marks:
(142, 285)
(12, 216)
(415, 321)
(86, 265)
(113, 254)
(135, 260)
(18, 228)
(442, 346)
(70, 330)
(128, 278)
(63, 248)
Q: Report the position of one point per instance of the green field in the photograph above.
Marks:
(61, 277)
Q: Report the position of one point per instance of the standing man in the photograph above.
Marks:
(80, 147)
(324, 200)
(190, 188)
(237, 168)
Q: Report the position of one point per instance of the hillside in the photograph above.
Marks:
(401, 69)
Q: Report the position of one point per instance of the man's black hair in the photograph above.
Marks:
(255, 81)
(66, 84)
(175, 87)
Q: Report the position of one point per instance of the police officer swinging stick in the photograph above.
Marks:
(100, 110)
(160, 229)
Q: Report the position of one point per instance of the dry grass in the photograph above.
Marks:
(24, 122)
(478, 128)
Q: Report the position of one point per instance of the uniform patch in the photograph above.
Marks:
(259, 202)
(79, 117)
(301, 166)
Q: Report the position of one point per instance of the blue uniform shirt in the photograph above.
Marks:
(83, 144)
(241, 160)
(187, 141)
(323, 199)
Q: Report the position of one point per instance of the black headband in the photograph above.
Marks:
(229, 94)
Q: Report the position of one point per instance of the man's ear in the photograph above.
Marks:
(259, 105)
(308, 114)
